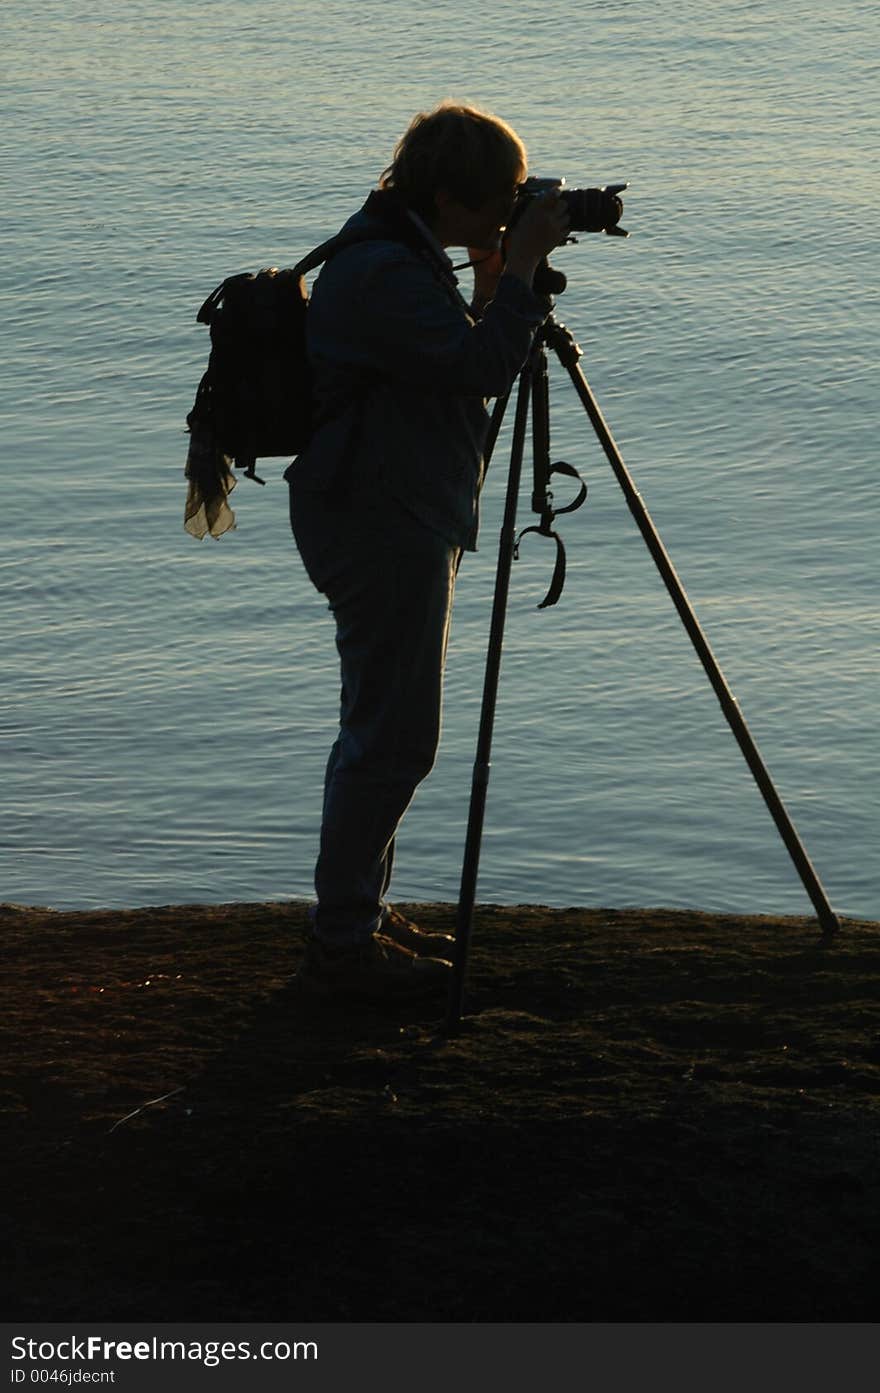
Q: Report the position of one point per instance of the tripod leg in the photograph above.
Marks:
(541, 434)
(568, 352)
(480, 779)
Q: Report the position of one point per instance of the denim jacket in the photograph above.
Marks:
(402, 370)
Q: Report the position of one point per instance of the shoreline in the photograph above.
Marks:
(650, 1115)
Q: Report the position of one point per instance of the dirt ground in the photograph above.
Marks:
(648, 1115)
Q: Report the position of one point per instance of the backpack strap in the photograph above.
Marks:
(394, 225)
(329, 248)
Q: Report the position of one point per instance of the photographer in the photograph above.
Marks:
(384, 500)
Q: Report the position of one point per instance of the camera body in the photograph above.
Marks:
(589, 210)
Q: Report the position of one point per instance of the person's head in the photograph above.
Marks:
(458, 167)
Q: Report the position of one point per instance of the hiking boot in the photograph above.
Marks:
(377, 970)
(406, 934)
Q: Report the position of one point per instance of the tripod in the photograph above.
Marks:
(534, 388)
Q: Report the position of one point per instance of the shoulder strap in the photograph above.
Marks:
(331, 246)
(392, 223)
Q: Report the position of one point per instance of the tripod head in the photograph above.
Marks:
(547, 280)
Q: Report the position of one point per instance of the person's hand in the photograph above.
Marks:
(543, 226)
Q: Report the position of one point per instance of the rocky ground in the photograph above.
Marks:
(647, 1116)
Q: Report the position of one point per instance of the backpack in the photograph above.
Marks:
(255, 398)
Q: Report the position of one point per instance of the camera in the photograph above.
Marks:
(589, 210)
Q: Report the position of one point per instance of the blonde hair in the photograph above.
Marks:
(469, 152)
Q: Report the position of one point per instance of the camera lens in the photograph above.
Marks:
(592, 210)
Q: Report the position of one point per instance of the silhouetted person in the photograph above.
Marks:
(384, 500)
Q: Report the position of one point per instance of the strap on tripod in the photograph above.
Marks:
(545, 527)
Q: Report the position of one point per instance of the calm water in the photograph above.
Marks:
(167, 705)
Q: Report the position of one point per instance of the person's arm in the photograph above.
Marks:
(405, 326)
(402, 323)
(488, 270)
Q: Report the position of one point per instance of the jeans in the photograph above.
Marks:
(390, 582)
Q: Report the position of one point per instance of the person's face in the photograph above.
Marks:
(457, 225)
